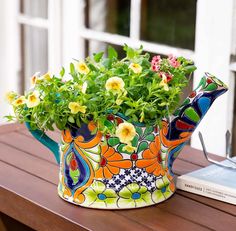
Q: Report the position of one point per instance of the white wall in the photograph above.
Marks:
(9, 53)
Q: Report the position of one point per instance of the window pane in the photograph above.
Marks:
(169, 22)
(112, 16)
(34, 53)
(34, 8)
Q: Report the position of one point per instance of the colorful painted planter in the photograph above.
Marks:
(99, 174)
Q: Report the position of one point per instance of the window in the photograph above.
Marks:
(40, 46)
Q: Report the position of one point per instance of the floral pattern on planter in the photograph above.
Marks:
(165, 188)
(111, 163)
(151, 158)
(98, 196)
(102, 175)
(134, 195)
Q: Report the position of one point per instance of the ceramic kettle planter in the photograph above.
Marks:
(106, 176)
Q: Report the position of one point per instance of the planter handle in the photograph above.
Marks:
(46, 141)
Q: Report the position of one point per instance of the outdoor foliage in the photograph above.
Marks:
(142, 90)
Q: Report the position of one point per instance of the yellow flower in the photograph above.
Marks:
(33, 99)
(129, 148)
(46, 76)
(136, 68)
(119, 101)
(115, 84)
(125, 132)
(84, 87)
(19, 101)
(34, 79)
(163, 83)
(142, 117)
(82, 68)
(10, 96)
(76, 107)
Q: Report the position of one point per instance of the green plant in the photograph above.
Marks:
(142, 90)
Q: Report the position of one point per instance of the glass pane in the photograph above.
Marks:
(112, 16)
(34, 8)
(169, 22)
(34, 53)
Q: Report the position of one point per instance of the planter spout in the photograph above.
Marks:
(188, 116)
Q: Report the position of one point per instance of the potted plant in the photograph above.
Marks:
(118, 136)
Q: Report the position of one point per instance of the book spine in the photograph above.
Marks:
(205, 190)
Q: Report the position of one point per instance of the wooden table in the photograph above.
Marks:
(28, 194)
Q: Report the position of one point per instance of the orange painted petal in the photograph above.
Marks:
(147, 154)
(144, 163)
(162, 172)
(67, 192)
(107, 173)
(170, 177)
(91, 126)
(99, 173)
(116, 156)
(158, 142)
(79, 139)
(121, 164)
(172, 186)
(66, 136)
(164, 129)
(109, 152)
(151, 168)
(185, 134)
(104, 148)
(113, 170)
(153, 148)
(157, 171)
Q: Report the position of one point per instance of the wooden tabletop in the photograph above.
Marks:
(28, 193)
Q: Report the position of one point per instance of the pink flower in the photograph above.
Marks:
(155, 63)
(173, 61)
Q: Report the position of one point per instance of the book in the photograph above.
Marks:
(212, 181)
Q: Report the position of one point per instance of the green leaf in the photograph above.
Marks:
(134, 142)
(113, 141)
(72, 68)
(148, 130)
(139, 131)
(97, 57)
(107, 63)
(62, 72)
(112, 53)
(78, 123)
(74, 175)
(71, 119)
(92, 67)
(129, 112)
(142, 146)
(120, 149)
(150, 137)
(189, 69)
(130, 53)
(108, 124)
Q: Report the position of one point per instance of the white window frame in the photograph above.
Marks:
(53, 25)
(67, 34)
